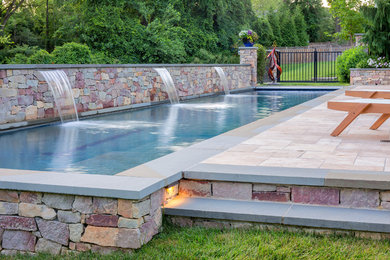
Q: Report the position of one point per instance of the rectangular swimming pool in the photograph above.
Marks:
(113, 143)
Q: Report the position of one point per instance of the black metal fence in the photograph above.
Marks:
(310, 66)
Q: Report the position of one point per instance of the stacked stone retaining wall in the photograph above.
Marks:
(330, 196)
(25, 95)
(33, 222)
(370, 77)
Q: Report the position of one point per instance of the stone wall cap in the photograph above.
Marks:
(248, 48)
(123, 187)
(368, 69)
(91, 66)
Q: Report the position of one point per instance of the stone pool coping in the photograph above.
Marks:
(164, 171)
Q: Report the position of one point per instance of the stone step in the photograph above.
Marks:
(370, 220)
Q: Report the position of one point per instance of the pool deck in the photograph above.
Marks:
(293, 145)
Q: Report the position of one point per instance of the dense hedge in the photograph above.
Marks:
(349, 59)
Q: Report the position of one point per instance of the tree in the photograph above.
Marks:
(377, 29)
(315, 16)
(350, 19)
(300, 25)
(7, 9)
(288, 29)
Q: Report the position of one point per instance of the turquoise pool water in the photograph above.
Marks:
(113, 143)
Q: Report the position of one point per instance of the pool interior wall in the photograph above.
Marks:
(113, 143)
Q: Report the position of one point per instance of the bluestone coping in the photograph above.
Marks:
(82, 184)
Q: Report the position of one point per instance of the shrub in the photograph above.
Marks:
(261, 54)
(72, 53)
(349, 59)
(41, 57)
(19, 54)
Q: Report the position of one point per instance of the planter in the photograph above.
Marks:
(247, 43)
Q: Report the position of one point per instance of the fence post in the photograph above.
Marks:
(248, 55)
(315, 65)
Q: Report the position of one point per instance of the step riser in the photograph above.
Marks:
(286, 214)
(226, 224)
(313, 195)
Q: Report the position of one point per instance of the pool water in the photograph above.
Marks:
(113, 143)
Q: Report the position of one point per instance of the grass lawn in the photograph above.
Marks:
(200, 243)
(305, 71)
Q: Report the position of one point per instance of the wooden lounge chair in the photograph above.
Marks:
(355, 107)
(369, 93)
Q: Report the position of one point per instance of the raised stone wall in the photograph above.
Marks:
(331, 196)
(370, 77)
(25, 96)
(33, 222)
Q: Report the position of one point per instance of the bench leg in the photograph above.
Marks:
(380, 121)
(350, 117)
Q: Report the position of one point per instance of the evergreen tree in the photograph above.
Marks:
(287, 28)
(265, 32)
(273, 20)
(301, 27)
(377, 30)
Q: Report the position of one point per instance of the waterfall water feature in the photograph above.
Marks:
(169, 85)
(62, 93)
(223, 78)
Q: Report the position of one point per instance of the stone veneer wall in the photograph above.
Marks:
(25, 96)
(343, 197)
(56, 223)
(370, 77)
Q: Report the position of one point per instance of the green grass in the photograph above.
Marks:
(305, 71)
(200, 243)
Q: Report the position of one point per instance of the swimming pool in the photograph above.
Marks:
(112, 143)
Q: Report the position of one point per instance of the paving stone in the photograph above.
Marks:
(264, 187)
(58, 201)
(141, 208)
(44, 245)
(283, 189)
(125, 208)
(359, 198)
(31, 197)
(103, 250)
(54, 231)
(18, 223)
(18, 240)
(129, 238)
(8, 208)
(69, 216)
(232, 190)
(195, 188)
(105, 206)
(130, 223)
(385, 195)
(103, 236)
(102, 220)
(182, 221)
(157, 217)
(33, 210)
(271, 196)
(83, 204)
(156, 199)
(148, 230)
(9, 196)
(75, 232)
(315, 195)
(82, 247)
